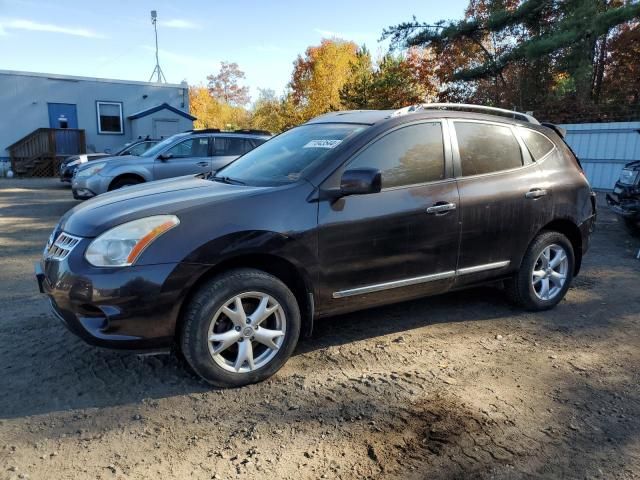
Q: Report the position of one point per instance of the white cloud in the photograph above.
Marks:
(29, 25)
(180, 23)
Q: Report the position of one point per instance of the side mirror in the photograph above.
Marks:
(361, 181)
(165, 156)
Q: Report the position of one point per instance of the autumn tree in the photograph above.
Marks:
(213, 113)
(395, 82)
(320, 74)
(225, 85)
(622, 66)
(358, 90)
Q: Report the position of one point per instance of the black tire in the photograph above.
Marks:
(633, 226)
(124, 182)
(520, 289)
(213, 296)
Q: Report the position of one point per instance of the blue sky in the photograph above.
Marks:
(114, 39)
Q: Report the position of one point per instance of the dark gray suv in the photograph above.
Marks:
(195, 151)
(351, 210)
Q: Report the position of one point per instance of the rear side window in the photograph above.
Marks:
(407, 156)
(486, 148)
(231, 146)
(538, 144)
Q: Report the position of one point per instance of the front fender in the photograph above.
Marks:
(137, 170)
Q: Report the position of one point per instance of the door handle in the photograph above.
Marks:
(535, 193)
(203, 164)
(441, 208)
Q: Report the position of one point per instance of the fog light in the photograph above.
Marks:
(85, 192)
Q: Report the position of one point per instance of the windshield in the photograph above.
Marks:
(287, 157)
(159, 147)
(123, 148)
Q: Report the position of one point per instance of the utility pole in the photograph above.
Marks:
(157, 70)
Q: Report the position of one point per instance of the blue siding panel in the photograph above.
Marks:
(604, 149)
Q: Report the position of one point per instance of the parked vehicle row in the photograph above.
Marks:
(625, 199)
(71, 164)
(193, 152)
(349, 211)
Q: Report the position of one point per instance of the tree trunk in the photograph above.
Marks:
(599, 70)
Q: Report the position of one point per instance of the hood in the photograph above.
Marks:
(109, 160)
(171, 196)
(84, 157)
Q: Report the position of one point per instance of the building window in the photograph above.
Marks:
(110, 117)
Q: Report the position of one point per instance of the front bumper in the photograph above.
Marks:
(66, 173)
(133, 308)
(84, 188)
(626, 208)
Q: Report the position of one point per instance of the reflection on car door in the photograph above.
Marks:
(186, 157)
(499, 214)
(392, 244)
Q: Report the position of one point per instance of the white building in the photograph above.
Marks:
(109, 112)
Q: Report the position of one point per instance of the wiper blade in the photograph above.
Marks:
(229, 180)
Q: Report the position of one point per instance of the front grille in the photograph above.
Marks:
(61, 247)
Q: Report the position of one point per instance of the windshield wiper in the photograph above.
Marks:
(229, 180)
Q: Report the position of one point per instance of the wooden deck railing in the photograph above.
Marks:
(38, 154)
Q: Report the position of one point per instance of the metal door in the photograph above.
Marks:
(64, 116)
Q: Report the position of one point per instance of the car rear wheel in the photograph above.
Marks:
(240, 328)
(545, 273)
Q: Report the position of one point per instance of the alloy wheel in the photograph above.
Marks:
(550, 272)
(246, 333)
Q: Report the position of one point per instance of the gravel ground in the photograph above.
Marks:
(457, 386)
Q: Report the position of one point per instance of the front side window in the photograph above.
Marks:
(407, 156)
(110, 118)
(291, 155)
(193, 147)
(537, 144)
(486, 148)
(139, 148)
(161, 146)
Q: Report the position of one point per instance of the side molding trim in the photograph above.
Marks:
(395, 284)
(378, 287)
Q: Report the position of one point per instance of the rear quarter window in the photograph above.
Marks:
(537, 144)
(486, 148)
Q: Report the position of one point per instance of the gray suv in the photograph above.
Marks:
(195, 151)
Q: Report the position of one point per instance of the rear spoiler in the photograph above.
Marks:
(559, 130)
(562, 133)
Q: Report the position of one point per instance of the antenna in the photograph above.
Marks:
(157, 70)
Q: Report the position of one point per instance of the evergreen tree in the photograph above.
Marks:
(540, 30)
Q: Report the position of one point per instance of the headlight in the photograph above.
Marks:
(628, 176)
(92, 170)
(122, 245)
(74, 163)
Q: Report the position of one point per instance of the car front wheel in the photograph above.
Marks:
(240, 328)
(545, 273)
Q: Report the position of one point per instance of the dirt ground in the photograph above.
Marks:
(458, 386)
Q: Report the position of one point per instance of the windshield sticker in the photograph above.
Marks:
(323, 144)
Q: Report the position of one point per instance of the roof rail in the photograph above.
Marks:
(217, 130)
(468, 107)
(252, 131)
(205, 130)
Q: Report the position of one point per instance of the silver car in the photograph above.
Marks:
(197, 151)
